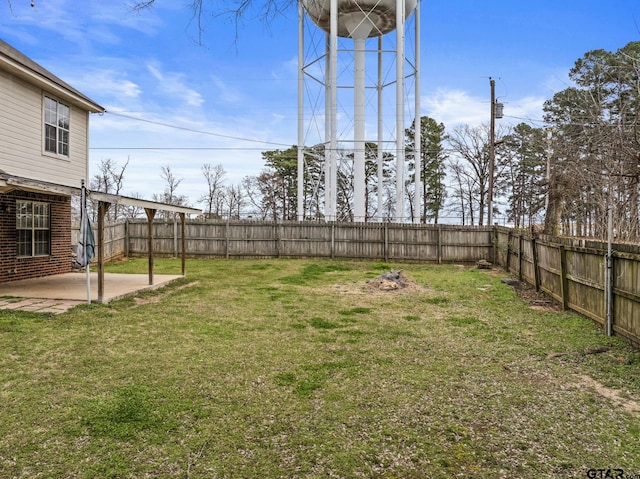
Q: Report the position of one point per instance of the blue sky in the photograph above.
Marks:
(226, 90)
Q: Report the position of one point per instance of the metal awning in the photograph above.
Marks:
(11, 182)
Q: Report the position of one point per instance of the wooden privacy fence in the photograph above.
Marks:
(115, 239)
(383, 241)
(573, 271)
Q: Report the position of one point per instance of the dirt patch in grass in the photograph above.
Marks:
(394, 281)
(156, 298)
(537, 300)
(615, 395)
(379, 287)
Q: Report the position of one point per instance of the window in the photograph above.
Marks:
(32, 225)
(56, 127)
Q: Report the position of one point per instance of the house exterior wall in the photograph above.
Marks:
(22, 126)
(14, 268)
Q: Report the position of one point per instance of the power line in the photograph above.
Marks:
(191, 130)
(204, 148)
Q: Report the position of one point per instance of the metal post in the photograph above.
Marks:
(491, 150)
(300, 112)
(359, 180)
(400, 110)
(418, 120)
(380, 131)
(87, 263)
(331, 174)
(608, 280)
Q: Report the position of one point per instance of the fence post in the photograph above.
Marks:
(536, 273)
(494, 244)
(278, 243)
(175, 236)
(439, 245)
(564, 281)
(520, 255)
(126, 238)
(609, 292)
(508, 258)
(386, 242)
(226, 239)
(333, 240)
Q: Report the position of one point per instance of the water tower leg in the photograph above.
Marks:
(331, 144)
(359, 180)
(380, 133)
(417, 201)
(399, 111)
(300, 184)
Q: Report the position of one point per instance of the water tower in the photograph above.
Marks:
(355, 34)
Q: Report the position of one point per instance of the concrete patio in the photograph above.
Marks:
(55, 294)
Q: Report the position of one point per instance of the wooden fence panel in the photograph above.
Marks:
(358, 240)
(527, 261)
(626, 304)
(410, 243)
(114, 240)
(549, 270)
(252, 239)
(466, 245)
(501, 239)
(585, 274)
(205, 240)
(305, 240)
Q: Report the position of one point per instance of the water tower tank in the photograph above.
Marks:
(380, 13)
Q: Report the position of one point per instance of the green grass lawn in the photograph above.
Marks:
(297, 369)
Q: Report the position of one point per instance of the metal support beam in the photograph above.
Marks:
(300, 184)
(400, 153)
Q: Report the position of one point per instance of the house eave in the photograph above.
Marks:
(10, 182)
(22, 67)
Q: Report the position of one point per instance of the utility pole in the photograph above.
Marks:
(492, 152)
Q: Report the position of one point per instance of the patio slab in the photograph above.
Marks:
(58, 293)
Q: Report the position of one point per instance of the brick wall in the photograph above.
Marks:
(13, 268)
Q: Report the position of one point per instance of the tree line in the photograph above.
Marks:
(563, 177)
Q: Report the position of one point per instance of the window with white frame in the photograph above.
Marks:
(33, 228)
(56, 127)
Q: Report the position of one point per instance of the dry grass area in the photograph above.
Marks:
(311, 369)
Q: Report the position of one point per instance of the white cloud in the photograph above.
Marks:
(527, 110)
(455, 107)
(175, 87)
(225, 94)
(108, 83)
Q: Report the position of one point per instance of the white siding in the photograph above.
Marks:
(21, 128)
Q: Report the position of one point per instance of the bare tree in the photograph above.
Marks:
(110, 179)
(265, 10)
(471, 145)
(463, 193)
(234, 202)
(131, 211)
(170, 195)
(214, 175)
(253, 194)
